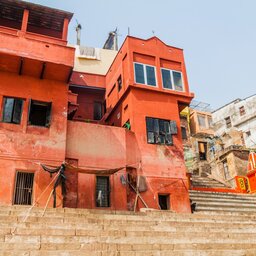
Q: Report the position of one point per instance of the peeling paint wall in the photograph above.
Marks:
(24, 147)
(99, 147)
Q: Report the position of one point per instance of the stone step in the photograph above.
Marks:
(199, 185)
(229, 202)
(84, 232)
(206, 208)
(151, 218)
(91, 217)
(198, 181)
(221, 195)
(216, 196)
(160, 227)
(207, 182)
(204, 252)
(111, 231)
(100, 224)
(124, 230)
(223, 200)
(109, 248)
(204, 179)
(225, 204)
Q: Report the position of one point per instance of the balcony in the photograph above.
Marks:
(34, 40)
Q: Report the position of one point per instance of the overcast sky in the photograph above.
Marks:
(218, 37)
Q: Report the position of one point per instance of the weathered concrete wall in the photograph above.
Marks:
(97, 64)
(99, 147)
(44, 50)
(34, 142)
(24, 147)
(163, 165)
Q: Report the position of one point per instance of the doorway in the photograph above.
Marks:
(102, 191)
(164, 201)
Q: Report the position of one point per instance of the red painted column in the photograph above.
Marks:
(65, 29)
(25, 21)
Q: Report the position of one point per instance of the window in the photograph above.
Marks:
(202, 148)
(145, 74)
(177, 80)
(242, 111)
(172, 79)
(119, 82)
(102, 191)
(166, 77)
(164, 202)
(12, 110)
(97, 111)
(210, 122)
(184, 133)
(228, 122)
(226, 170)
(112, 89)
(23, 188)
(248, 133)
(201, 121)
(40, 113)
(160, 131)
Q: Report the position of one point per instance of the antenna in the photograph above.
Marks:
(78, 33)
(128, 31)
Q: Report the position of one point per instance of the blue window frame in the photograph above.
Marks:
(172, 79)
(145, 74)
(12, 110)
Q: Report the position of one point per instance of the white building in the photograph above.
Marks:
(239, 114)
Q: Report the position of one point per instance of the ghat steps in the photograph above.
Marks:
(95, 232)
(206, 182)
(223, 202)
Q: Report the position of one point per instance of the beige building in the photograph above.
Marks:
(93, 60)
(219, 157)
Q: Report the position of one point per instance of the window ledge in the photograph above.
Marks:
(38, 130)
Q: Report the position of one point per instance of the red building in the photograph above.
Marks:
(35, 66)
(122, 142)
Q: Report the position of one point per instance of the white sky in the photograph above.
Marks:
(218, 37)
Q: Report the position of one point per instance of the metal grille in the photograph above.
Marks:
(102, 191)
(24, 188)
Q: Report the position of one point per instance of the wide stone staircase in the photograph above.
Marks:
(206, 182)
(94, 232)
(223, 202)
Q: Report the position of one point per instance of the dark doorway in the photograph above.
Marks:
(164, 202)
(202, 147)
(24, 188)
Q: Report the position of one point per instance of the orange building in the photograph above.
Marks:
(122, 142)
(146, 88)
(35, 66)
